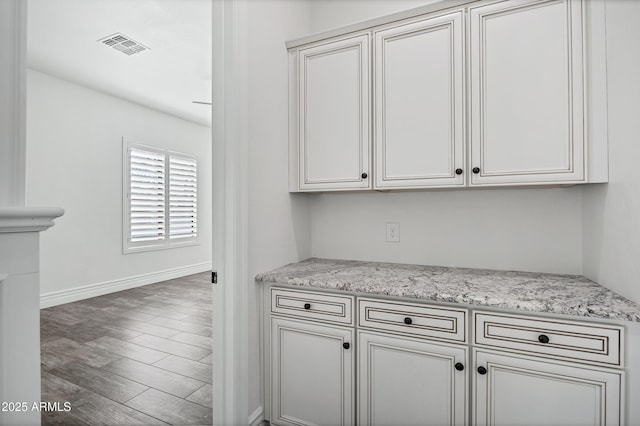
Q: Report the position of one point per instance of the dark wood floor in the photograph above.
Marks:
(136, 357)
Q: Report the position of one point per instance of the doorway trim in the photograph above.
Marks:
(230, 212)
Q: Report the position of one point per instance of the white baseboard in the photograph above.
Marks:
(92, 290)
(257, 417)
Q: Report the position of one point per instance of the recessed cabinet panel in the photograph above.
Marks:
(312, 374)
(312, 305)
(517, 391)
(410, 382)
(409, 318)
(566, 340)
(526, 66)
(419, 103)
(333, 90)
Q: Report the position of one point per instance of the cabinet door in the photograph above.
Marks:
(419, 136)
(406, 381)
(312, 374)
(526, 98)
(521, 391)
(333, 115)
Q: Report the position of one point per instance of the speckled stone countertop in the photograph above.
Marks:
(525, 291)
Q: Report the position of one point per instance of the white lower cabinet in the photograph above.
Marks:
(516, 390)
(413, 365)
(312, 373)
(405, 381)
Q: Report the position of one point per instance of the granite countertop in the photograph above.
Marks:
(525, 291)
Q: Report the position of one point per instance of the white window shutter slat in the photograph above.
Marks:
(183, 198)
(146, 196)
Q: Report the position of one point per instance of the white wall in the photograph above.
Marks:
(612, 211)
(330, 14)
(279, 228)
(530, 229)
(74, 160)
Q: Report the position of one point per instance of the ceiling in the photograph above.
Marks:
(63, 41)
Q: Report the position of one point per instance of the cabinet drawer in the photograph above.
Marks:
(592, 343)
(413, 319)
(311, 305)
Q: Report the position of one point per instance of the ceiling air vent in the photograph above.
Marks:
(123, 44)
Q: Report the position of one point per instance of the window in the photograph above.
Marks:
(161, 199)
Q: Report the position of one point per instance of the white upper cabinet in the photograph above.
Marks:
(333, 114)
(491, 93)
(419, 103)
(526, 93)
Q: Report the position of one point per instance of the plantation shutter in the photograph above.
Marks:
(146, 196)
(183, 198)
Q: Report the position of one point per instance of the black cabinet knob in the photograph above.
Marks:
(458, 171)
(346, 345)
(543, 338)
(476, 170)
(408, 320)
(307, 306)
(459, 366)
(482, 370)
(364, 175)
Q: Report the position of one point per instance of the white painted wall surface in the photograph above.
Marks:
(279, 227)
(528, 229)
(74, 159)
(612, 211)
(330, 14)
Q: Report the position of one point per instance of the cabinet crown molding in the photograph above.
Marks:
(387, 19)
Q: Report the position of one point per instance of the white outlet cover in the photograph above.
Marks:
(393, 232)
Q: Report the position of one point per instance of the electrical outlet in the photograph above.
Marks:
(393, 232)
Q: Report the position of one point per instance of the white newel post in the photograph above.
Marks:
(20, 310)
(20, 229)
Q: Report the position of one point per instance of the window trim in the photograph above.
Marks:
(127, 246)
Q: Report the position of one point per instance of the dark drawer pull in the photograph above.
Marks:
(408, 321)
(307, 306)
(543, 338)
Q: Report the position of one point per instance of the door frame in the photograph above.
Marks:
(230, 212)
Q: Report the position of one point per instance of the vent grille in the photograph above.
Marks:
(123, 44)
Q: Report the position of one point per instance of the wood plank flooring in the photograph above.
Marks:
(136, 357)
